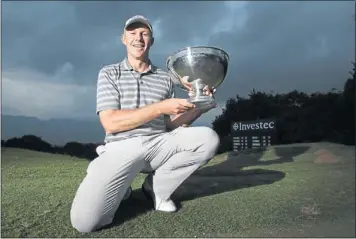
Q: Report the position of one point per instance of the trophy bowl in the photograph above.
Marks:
(205, 66)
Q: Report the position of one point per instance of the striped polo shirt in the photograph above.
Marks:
(119, 86)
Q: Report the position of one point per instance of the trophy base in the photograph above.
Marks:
(203, 102)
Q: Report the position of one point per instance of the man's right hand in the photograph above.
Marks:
(175, 106)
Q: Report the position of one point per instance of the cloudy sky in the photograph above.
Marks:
(52, 51)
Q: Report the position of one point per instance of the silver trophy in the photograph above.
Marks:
(205, 66)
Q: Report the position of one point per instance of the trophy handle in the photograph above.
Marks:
(174, 74)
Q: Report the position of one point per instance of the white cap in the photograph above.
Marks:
(140, 19)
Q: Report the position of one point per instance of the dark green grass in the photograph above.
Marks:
(278, 192)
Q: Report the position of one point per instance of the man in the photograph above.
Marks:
(136, 105)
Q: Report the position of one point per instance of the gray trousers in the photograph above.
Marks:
(172, 156)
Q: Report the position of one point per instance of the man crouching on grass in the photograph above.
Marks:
(135, 104)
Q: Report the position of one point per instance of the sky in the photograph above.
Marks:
(52, 51)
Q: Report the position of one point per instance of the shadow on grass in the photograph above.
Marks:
(230, 175)
(226, 176)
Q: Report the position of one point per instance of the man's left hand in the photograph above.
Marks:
(207, 91)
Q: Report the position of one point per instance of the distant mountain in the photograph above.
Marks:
(54, 131)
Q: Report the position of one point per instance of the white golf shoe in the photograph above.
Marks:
(158, 203)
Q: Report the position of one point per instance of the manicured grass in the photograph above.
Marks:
(272, 193)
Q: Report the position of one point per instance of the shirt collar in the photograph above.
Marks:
(126, 66)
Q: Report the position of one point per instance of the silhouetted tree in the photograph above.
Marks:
(58, 150)
(32, 142)
(29, 142)
(346, 110)
(80, 150)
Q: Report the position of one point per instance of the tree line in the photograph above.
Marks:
(300, 118)
(32, 142)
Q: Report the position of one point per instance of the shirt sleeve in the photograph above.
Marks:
(107, 93)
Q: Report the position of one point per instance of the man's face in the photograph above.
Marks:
(137, 38)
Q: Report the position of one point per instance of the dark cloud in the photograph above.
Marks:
(276, 46)
(88, 34)
(290, 45)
